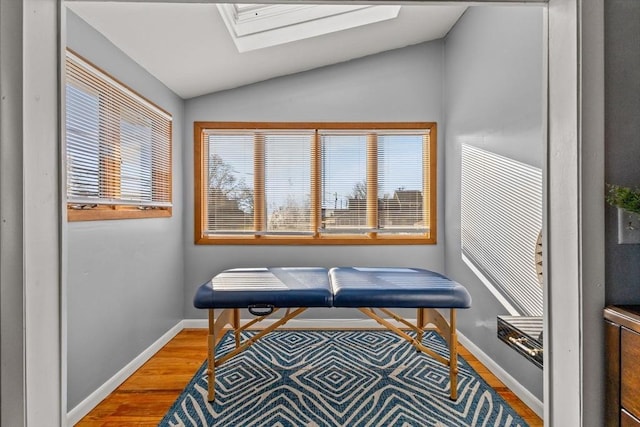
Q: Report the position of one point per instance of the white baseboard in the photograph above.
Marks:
(525, 395)
(84, 407)
(195, 323)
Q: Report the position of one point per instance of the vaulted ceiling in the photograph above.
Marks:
(189, 48)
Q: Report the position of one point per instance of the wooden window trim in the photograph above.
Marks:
(109, 212)
(430, 179)
(372, 183)
(258, 182)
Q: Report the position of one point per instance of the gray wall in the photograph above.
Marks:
(493, 78)
(622, 140)
(124, 277)
(493, 100)
(399, 85)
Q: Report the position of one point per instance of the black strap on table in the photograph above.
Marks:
(261, 309)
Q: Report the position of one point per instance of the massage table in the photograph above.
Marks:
(373, 291)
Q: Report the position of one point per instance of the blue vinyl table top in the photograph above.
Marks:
(395, 288)
(284, 287)
(271, 286)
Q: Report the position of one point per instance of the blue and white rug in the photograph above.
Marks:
(338, 378)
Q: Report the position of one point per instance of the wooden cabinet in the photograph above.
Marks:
(622, 335)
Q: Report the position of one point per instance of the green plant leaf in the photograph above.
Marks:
(623, 197)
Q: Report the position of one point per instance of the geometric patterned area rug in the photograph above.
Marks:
(338, 378)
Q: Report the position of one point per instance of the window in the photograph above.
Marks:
(316, 183)
(118, 148)
(255, 26)
(501, 218)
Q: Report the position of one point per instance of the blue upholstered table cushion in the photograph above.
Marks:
(273, 286)
(338, 287)
(395, 288)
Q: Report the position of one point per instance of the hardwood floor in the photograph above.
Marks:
(144, 398)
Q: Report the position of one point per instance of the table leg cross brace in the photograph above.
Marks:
(216, 326)
(425, 316)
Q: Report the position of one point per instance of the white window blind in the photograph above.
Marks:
(118, 144)
(259, 182)
(287, 181)
(402, 183)
(396, 162)
(318, 183)
(501, 217)
(229, 187)
(344, 182)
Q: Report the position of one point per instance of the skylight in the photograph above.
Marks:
(256, 26)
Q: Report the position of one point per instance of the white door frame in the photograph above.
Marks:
(574, 334)
(574, 212)
(30, 204)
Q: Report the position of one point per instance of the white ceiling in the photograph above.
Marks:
(188, 48)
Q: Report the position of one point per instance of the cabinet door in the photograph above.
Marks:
(630, 371)
(612, 357)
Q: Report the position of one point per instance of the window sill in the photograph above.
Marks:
(115, 212)
(323, 240)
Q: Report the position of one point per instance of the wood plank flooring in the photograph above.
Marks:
(144, 398)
